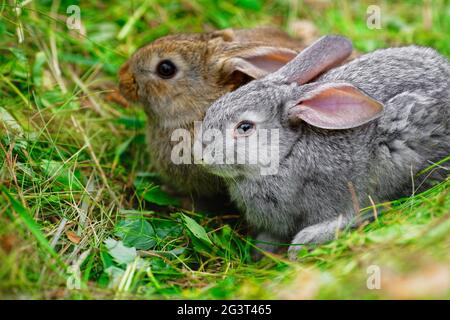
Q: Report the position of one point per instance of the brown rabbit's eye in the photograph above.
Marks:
(244, 128)
(166, 69)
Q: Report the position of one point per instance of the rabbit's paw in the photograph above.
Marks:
(316, 234)
(264, 244)
(305, 236)
(293, 251)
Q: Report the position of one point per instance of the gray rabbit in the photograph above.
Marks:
(372, 123)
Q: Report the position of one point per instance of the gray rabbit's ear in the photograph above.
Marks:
(336, 106)
(319, 57)
(255, 63)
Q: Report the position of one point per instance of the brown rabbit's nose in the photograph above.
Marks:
(127, 83)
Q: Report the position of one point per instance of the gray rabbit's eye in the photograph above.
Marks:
(166, 69)
(244, 128)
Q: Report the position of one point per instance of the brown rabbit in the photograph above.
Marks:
(177, 78)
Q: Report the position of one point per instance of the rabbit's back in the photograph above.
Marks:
(386, 73)
(413, 83)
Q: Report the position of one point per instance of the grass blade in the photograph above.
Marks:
(31, 224)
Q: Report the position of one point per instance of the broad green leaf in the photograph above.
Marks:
(167, 228)
(156, 195)
(135, 123)
(147, 187)
(106, 258)
(196, 229)
(136, 232)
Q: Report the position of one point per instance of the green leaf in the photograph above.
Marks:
(136, 232)
(167, 228)
(51, 98)
(106, 258)
(135, 123)
(69, 179)
(120, 149)
(254, 5)
(196, 229)
(151, 192)
(38, 65)
(120, 253)
(154, 194)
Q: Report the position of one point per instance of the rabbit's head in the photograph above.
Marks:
(177, 77)
(262, 118)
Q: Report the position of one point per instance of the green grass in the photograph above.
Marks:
(76, 189)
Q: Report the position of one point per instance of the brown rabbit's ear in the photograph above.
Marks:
(226, 34)
(255, 63)
(336, 106)
(127, 83)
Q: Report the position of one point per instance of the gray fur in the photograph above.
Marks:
(303, 202)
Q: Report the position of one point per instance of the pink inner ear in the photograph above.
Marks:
(271, 62)
(261, 61)
(338, 108)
